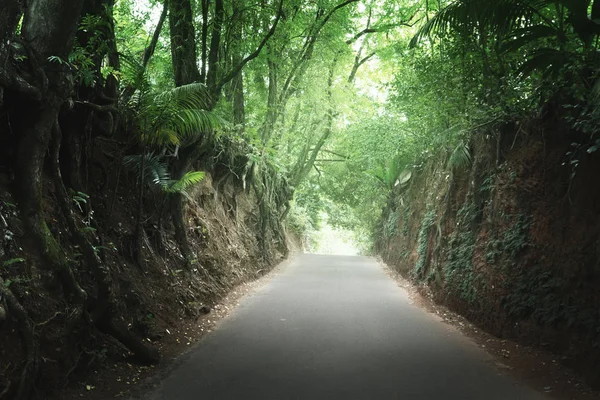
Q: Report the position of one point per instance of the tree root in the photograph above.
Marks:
(103, 314)
(31, 368)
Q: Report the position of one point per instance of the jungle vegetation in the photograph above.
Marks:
(318, 107)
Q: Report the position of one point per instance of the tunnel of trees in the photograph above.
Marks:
(155, 153)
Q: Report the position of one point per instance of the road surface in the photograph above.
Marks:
(333, 328)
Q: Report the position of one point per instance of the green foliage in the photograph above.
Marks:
(389, 173)
(423, 243)
(172, 117)
(80, 199)
(537, 293)
(12, 261)
(460, 278)
(156, 174)
(460, 159)
(390, 228)
(514, 240)
(153, 168)
(188, 180)
(405, 220)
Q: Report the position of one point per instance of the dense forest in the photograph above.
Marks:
(156, 153)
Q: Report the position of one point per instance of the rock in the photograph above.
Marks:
(205, 309)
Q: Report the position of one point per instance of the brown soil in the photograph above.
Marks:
(537, 368)
(122, 379)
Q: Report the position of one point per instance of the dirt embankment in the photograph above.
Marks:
(161, 298)
(509, 239)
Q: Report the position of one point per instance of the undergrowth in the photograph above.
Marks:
(459, 274)
(423, 243)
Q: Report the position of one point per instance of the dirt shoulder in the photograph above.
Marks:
(539, 369)
(124, 380)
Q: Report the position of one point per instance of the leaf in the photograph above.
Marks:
(188, 180)
(542, 59)
(501, 17)
(460, 157)
(527, 35)
(12, 261)
(405, 177)
(155, 169)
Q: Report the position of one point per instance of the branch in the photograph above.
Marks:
(306, 52)
(335, 154)
(97, 107)
(367, 58)
(149, 51)
(215, 43)
(383, 28)
(236, 70)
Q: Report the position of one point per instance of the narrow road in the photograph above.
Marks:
(333, 327)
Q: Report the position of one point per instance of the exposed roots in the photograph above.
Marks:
(31, 368)
(104, 312)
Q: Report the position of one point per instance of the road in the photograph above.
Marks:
(335, 327)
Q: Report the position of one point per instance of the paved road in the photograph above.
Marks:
(333, 328)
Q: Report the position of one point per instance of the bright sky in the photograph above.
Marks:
(336, 242)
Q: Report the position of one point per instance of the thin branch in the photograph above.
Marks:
(367, 58)
(237, 69)
(335, 154)
(149, 51)
(306, 52)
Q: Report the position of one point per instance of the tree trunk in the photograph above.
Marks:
(183, 42)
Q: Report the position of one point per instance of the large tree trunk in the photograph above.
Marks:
(183, 42)
(185, 68)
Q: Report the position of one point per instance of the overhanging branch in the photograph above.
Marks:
(237, 69)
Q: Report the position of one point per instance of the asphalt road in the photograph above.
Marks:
(334, 327)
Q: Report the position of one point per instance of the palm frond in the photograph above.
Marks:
(191, 122)
(546, 59)
(188, 180)
(154, 169)
(388, 174)
(523, 36)
(177, 114)
(460, 159)
(499, 17)
(192, 96)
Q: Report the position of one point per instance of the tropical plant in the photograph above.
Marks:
(541, 27)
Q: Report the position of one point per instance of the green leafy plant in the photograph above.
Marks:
(156, 174)
(12, 261)
(423, 243)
